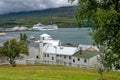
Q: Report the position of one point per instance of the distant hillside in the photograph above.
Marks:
(63, 17)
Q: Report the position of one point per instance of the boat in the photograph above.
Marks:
(42, 27)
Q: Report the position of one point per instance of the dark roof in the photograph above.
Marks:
(33, 44)
(86, 54)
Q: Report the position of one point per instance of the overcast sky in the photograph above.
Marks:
(7, 6)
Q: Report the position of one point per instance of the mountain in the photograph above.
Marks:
(63, 17)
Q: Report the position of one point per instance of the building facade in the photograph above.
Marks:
(49, 51)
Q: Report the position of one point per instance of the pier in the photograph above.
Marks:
(11, 29)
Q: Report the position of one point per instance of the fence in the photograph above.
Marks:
(36, 62)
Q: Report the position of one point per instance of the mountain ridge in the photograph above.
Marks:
(37, 10)
(62, 16)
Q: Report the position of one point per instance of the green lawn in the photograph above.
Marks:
(49, 72)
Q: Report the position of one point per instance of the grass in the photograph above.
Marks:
(49, 72)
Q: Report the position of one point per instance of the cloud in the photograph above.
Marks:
(7, 6)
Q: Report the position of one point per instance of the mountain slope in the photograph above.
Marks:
(63, 17)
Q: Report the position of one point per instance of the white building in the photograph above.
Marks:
(49, 51)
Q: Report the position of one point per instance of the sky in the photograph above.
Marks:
(8, 6)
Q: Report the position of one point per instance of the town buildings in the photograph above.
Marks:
(49, 51)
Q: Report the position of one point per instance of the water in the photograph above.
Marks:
(2, 38)
(66, 35)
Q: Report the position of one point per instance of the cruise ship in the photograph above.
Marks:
(40, 26)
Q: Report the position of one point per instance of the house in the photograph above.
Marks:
(49, 51)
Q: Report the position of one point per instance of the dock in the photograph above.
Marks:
(11, 30)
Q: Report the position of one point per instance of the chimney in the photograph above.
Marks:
(80, 50)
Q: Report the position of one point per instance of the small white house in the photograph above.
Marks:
(49, 51)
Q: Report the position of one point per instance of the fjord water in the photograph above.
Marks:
(66, 35)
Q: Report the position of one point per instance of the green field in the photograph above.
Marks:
(49, 72)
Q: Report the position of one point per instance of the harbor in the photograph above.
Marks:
(15, 29)
(36, 27)
(67, 35)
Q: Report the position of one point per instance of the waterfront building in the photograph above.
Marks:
(49, 51)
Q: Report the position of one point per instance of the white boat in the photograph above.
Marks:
(40, 26)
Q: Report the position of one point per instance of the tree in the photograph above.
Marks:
(23, 37)
(104, 16)
(12, 50)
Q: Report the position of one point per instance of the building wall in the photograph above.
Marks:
(33, 53)
(50, 58)
(70, 60)
(93, 61)
(80, 62)
(62, 59)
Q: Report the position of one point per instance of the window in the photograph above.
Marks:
(64, 57)
(73, 60)
(37, 57)
(43, 38)
(60, 55)
(44, 55)
(69, 57)
(52, 58)
(47, 55)
(57, 55)
(78, 59)
(85, 60)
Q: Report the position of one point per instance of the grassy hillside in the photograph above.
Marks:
(63, 17)
(48, 72)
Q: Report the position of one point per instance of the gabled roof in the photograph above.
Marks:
(61, 50)
(88, 51)
(33, 44)
(86, 54)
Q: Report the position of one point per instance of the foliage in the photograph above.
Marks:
(50, 72)
(23, 37)
(104, 16)
(12, 50)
